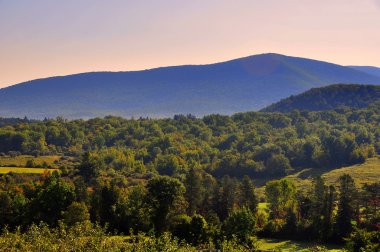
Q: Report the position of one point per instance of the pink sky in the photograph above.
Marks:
(53, 37)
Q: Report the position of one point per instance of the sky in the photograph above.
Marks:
(42, 38)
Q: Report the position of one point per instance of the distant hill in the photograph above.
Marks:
(238, 85)
(330, 97)
(368, 69)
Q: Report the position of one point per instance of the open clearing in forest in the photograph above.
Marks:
(5, 170)
(368, 172)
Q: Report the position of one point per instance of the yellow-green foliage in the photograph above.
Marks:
(263, 206)
(4, 170)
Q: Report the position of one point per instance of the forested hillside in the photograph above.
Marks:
(244, 84)
(254, 143)
(330, 97)
(191, 177)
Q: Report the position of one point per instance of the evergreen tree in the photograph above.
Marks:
(226, 197)
(322, 203)
(346, 210)
(194, 190)
(88, 167)
(247, 195)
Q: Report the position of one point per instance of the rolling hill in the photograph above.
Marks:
(243, 84)
(368, 69)
(330, 97)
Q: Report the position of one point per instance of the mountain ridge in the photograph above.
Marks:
(357, 68)
(243, 84)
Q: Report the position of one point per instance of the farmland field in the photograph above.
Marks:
(4, 170)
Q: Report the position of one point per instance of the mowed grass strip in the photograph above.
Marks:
(5, 170)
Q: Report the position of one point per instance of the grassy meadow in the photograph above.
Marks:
(366, 173)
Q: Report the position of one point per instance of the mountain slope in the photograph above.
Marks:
(330, 97)
(238, 85)
(368, 69)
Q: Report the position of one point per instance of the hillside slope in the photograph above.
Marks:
(368, 69)
(330, 97)
(366, 173)
(243, 84)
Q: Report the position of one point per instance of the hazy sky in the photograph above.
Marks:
(41, 38)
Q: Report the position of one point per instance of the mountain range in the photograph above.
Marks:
(243, 84)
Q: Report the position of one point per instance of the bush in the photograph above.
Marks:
(362, 240)
(30, 163)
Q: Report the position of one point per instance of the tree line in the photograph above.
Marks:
(256, 144)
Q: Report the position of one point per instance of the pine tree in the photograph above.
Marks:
(318, 206)
(322, 204)
(346, 209)
(194, 190)
(247, 194)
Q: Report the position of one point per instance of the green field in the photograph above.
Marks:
(5, 170)
(291, 246)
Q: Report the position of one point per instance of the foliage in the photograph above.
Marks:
(281, 195)
(190, 180)
(241, 224)
(362, 240)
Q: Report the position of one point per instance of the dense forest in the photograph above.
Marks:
(330, 97)
(188, 183)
